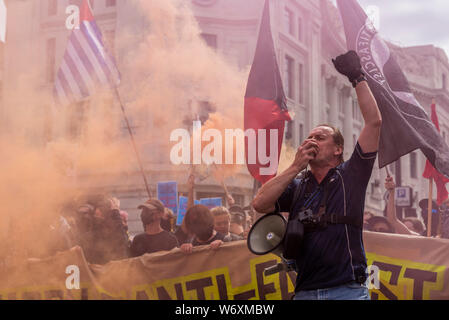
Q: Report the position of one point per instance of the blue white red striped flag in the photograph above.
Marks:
(86, 65)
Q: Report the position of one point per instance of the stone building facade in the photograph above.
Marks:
(307, 34)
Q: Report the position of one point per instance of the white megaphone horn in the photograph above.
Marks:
(266, 236)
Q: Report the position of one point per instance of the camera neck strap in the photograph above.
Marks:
(322, 217)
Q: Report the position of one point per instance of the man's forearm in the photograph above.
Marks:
(269, 193)
(370, 135)
(391, 208)
(368, 105)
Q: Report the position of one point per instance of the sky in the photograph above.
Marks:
(413, 22)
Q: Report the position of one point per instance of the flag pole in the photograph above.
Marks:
(429, 208)
(429, 203)
(133, 142)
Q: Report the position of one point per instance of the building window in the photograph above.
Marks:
(210, 39)
(289, 131)
(444, 81)
(110, 3)
(413, 166)
(356, 115)
(301, 83)
(328, 92)
(52, 7)
(289, 21)
(51, 59)
(289, 80)
(392, 167)
(300, 30)
(79, 2)
(301, 133)
(341, 103)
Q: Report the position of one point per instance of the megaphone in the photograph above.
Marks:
(266, 236)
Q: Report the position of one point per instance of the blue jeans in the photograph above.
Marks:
(348, 291)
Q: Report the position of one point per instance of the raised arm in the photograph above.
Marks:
(349, 65)
(398, 226)
(191, 189)
(369, 137)
(269, 193)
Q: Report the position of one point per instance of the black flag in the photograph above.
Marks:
(405, 124)
(265, 102)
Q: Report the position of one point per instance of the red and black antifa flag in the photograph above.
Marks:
(405, 124)
(265, 104)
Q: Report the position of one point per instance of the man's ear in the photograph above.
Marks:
(338, 150)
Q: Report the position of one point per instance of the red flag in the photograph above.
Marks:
(265, 102)
(430, 172)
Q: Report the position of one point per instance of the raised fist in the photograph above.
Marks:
(348, 64)
(389, 183)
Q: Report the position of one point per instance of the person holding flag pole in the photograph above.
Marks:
(328, 200)
(87, 66)
(434, 175)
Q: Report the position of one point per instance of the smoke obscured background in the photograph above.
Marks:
(168, 73)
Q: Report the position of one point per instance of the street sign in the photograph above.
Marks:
(403, 196)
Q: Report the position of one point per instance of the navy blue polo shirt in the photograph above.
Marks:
(333, 255)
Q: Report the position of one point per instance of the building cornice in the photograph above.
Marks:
(228, 22)
(56, 23)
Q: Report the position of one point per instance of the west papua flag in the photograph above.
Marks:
(405, 124)
(265, 102)
(430, 172)
(87, 66)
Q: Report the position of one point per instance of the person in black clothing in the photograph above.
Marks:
(200, 222)
(154, 238)
(182, 234)
(329, 200)
(100, 231)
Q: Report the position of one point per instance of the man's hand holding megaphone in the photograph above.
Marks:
(305, 153)
(272, 189)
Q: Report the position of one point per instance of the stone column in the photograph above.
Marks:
(333, 100)
(348, 130)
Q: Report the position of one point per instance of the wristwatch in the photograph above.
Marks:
(358, 80)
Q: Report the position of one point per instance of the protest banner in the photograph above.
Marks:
(183, 209)
(167, 192)
(410, 268)
(211, 202)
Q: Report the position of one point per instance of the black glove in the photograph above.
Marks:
(348, 64)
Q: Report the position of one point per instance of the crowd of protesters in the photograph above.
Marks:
(391, 223)
(100, 228)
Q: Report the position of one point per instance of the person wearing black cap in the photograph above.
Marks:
(154, 238)
(435, 216)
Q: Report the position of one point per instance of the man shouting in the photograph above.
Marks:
(329, 200)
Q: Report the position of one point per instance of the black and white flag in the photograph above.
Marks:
(405, 124)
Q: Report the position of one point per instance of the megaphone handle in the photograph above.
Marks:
(274, 269)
